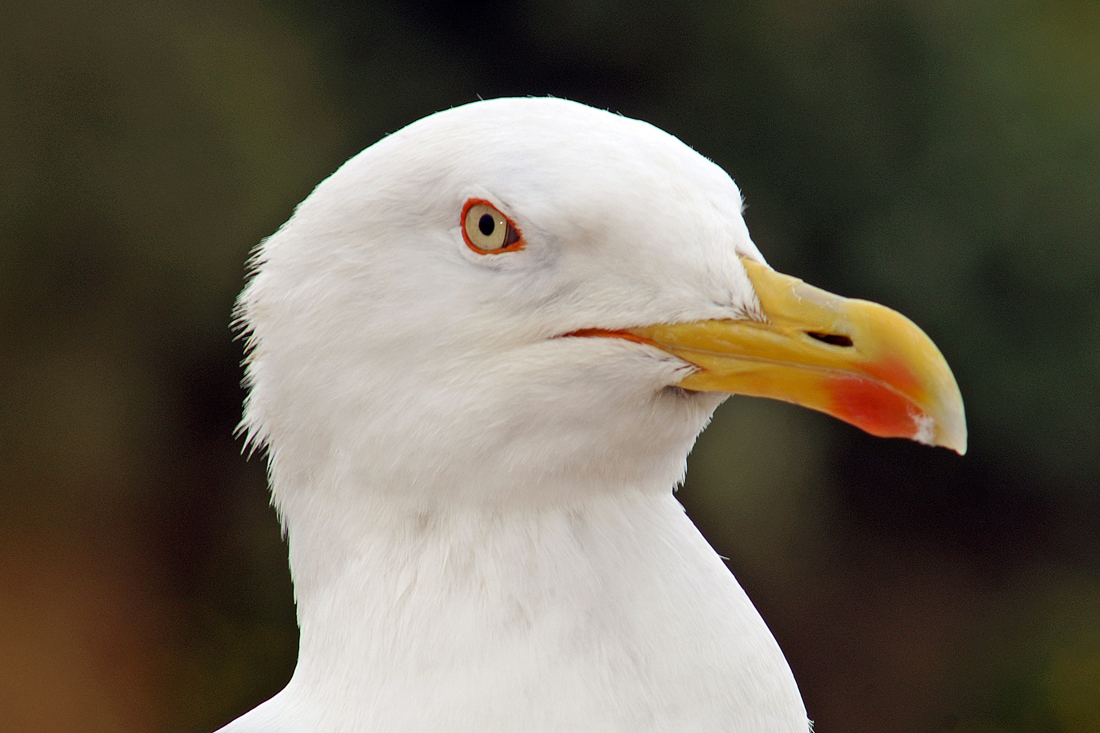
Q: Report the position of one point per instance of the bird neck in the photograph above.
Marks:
(496, 616)
(383, 589)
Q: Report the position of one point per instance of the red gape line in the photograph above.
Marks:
(607, 334)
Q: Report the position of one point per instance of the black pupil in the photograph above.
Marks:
(486, 224)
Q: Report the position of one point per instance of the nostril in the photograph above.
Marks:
(835, 339)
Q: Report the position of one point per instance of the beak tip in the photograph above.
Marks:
(951, 432)
(956, 444)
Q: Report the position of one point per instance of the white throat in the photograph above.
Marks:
(530, 618)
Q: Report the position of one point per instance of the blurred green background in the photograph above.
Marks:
(940, 157)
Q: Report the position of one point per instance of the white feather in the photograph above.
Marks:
(482, 530)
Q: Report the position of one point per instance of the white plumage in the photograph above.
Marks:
(479, 508)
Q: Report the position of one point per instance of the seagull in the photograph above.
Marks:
(478, 355)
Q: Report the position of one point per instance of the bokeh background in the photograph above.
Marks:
(941, 157)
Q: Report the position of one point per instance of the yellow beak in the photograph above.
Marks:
(855, 360)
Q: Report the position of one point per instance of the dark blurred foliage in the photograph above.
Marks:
(940, 157)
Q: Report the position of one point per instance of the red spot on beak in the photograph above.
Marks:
(873, 407)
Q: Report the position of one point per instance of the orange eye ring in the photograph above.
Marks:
(488, 231)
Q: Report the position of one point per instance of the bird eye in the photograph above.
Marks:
(486, 230)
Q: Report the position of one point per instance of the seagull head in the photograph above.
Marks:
(532, 301)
